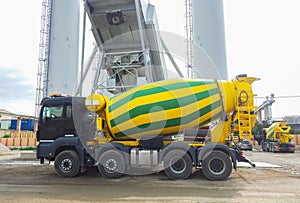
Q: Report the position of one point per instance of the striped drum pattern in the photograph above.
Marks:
(163, 108)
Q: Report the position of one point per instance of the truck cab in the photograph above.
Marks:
(55, 119)
(58, 137)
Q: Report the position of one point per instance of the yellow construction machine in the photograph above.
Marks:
(277, 138)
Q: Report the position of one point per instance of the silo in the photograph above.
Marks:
(62, 69)
(209, 39)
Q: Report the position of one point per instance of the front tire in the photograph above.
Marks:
(216, 165)
(178, 164)
(111, 164)
(67, 164)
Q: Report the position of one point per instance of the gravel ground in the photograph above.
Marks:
(39, 183)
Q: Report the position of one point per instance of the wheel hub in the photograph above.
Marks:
(217, 166)
(178, 165)
(66, 164)
(111, 165)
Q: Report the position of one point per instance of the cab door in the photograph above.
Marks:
(51, 122)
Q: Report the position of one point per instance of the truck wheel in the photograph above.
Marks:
(216, 165)
(67, 164)
(265, 147)
(178, 164)
(111, 164)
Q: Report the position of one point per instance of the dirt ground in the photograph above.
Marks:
(39, 183)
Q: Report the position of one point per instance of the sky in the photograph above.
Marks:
(19, 43)
(262, 40)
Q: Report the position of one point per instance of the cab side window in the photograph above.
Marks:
(52, 112)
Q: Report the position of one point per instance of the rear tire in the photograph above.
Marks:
(111, 164)
(216, 165)
(265, 147)
(271, 147)
(178, 164)
(67, 164)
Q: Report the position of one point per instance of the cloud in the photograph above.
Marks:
(14, 85)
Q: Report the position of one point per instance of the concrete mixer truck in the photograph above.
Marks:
(179, 124)
(277, 138)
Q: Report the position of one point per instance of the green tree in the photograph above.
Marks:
(257, 130)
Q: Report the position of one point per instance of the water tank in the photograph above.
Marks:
(209, 39)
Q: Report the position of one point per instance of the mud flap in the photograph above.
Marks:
(242, 158)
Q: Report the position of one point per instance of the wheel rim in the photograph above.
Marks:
(177, 165)
(66, 165)
(217, 166)
(111, 165)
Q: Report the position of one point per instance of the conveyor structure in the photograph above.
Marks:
(127, 35)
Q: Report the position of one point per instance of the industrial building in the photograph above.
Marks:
(17, 130)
